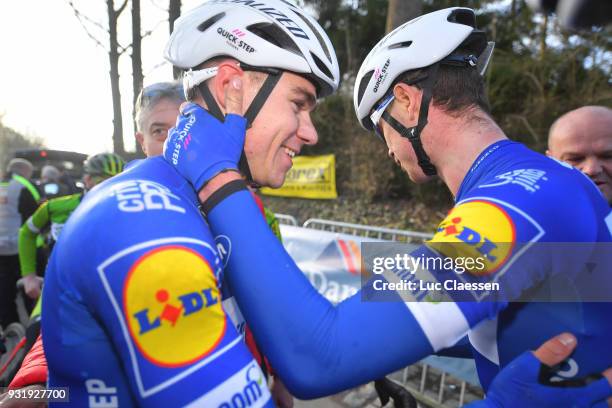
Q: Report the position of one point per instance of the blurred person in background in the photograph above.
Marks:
(50, 217)
(583, 138)
(50, 185)
(155, 112)
(52, 214)
(18, 200)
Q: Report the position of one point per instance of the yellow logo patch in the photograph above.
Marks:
(173, 306)
(477, 229)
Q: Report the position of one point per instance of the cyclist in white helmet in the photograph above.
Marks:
(133, 295)
(288, 60)
(421, 90)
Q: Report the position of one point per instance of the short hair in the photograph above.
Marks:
(152, 94)
(50, 173)
(457, 88)
(20, 167)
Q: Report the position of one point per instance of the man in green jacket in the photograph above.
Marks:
(53, 214)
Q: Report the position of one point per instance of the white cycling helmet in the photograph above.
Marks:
(260, 34)
(416, 44)
(422, 43)
(270, 36)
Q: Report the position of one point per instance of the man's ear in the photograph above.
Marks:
(227, 70)
(409, 98)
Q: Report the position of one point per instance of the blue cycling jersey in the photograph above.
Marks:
(132, 302)
(510, 195)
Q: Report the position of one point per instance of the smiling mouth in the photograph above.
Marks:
(290, 152)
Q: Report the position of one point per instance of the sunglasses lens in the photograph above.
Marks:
(376, 116)
(155, 90)
(378, 131)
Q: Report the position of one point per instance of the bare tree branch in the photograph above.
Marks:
(149, 32)
(121, 8)
(123, 49)
(527, 125)
(157, 5)
(536, 82)
(82, 17)
(161, 64)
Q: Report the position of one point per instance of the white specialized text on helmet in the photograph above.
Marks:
(264, 33)
(418, 43)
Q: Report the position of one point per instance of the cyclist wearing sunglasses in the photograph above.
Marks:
(422, 87)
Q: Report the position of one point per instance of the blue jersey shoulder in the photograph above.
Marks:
(515, 194)
(552, 194)
(132, 300)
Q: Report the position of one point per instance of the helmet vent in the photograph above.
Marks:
(275, 35)
(322, 66)
(363, 85)
(317, 34)
(206, 24)
(463, 16)
(404, 44)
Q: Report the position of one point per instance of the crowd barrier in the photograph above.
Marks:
(328, 252)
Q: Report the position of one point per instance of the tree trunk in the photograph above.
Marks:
(137, 77)
(543, 34)
(174, 11)
(400, 11)
(114, 77)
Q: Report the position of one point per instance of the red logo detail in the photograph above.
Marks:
(170, 313)
(187, 141)
(452, 229)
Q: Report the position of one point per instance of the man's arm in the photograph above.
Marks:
(27, 249)
(27, 238)
(27, 204)
(319, 349)
(316, 348)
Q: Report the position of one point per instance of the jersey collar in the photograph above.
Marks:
(485, 161)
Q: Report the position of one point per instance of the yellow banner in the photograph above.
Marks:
(310, 177)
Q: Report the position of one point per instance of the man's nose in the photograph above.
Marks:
(591, 167)
(306, 130)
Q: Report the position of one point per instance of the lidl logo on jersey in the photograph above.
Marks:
(174, 319)
(187, 304)
(477, 229)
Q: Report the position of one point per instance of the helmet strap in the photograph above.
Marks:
(413, 134)
(261, 97)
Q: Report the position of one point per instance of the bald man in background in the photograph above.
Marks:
(583, 138)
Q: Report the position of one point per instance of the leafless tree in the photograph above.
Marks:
(137, 76)
(115, 50)
(174, 11)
